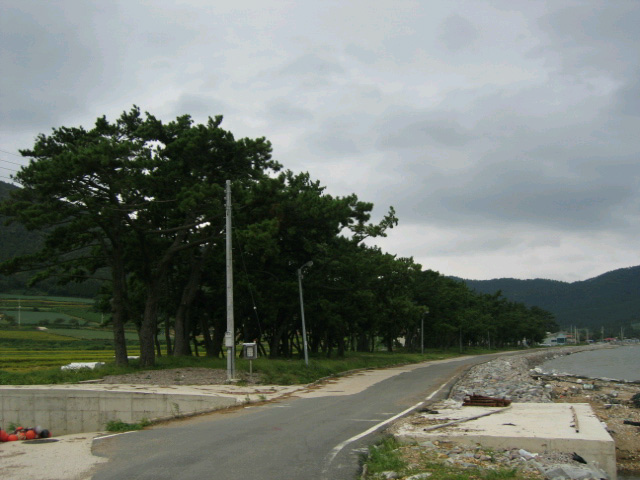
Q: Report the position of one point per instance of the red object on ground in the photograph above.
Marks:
(4, 436)
(12, 438)
(30, 434)
(481, 401)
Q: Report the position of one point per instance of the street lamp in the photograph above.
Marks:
(424, 314)
(304, 330)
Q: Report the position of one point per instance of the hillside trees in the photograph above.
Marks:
(130, 196)
(139, 203)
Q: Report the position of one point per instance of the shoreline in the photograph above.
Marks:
(520, 379)
(609, 398)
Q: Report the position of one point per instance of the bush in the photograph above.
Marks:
(635, 400)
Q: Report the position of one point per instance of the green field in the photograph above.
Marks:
(26, 317)
(36, 310)
(92, 334)
(23, 351)
(36, 299)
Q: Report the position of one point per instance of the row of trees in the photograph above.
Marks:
(138, 203)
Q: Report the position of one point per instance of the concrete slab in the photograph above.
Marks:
(536, 427)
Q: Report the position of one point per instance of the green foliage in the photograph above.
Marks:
(390, 455)
(120, 426)
(385, 456)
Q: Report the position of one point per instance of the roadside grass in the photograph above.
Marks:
(294, 371)
(51, 376)
(120, 426)
(389, 455)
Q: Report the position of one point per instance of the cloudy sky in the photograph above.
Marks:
(506, 134)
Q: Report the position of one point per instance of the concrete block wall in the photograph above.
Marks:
(64, 411)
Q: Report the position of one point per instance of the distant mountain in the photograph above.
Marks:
(16, 240)
(610, 300)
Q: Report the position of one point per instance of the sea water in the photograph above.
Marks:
(619, 363)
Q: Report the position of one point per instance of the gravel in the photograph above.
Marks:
(516, 378)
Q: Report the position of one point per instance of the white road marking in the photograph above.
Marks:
(434, 393)
(338, 448)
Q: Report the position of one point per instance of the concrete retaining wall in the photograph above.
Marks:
(64, 411)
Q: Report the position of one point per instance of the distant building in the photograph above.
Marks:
(559, 338)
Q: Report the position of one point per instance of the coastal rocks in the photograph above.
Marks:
(572, 472)
(507, 378)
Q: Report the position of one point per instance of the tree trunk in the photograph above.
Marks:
(157, 342)
(341, 345)
(119, 311)
(274, 342)
(147, 350)
(181, 347)
(208, 343)
(167, 336)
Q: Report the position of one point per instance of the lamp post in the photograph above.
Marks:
(424, 314)
(304, 329)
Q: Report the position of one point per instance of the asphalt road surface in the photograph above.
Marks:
(315, 434)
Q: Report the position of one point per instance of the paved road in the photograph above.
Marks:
(313, 435)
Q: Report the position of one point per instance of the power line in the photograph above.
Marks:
(8, 161)
(11, 153)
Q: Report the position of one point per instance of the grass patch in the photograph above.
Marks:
(385, 456)
(406, 460)
(53, 375)
(120, 426)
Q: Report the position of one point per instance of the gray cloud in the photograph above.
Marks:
(312, 64)
(594, 38)
(285, 111)
(505, 134)
(457, 33)
(421, 130)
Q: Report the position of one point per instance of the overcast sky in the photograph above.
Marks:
(506, 134)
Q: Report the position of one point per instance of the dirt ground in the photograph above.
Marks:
(611, 402)
(181, 376)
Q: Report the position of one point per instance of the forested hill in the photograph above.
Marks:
(16, 240)
(610, 300)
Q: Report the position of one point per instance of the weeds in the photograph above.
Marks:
(120, 426)
(389, 455)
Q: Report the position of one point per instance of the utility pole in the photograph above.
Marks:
(304, 328)
(229, 335)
